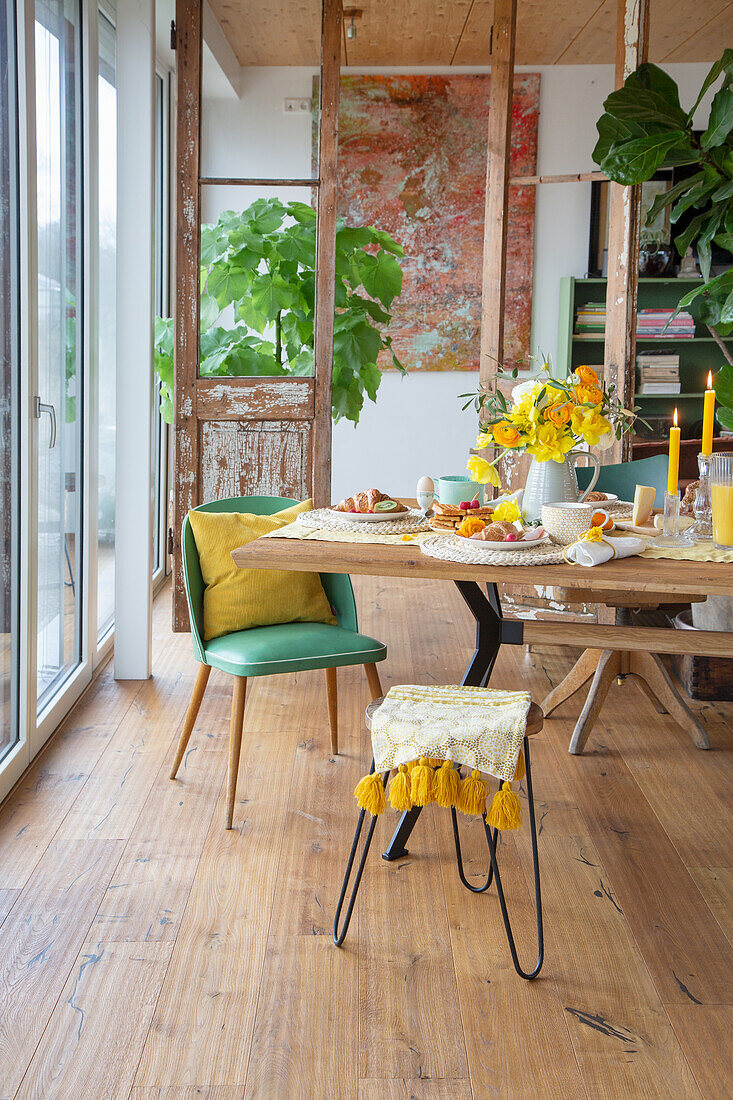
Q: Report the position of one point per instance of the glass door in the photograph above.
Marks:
(59, 398)
(9, 386)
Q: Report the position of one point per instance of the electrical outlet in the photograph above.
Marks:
(301, 106)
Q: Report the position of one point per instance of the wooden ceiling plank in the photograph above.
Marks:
(441, 32)
(707, 42)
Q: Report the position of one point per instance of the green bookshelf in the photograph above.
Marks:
(697, 355)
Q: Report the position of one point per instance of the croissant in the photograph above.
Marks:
(362, 502)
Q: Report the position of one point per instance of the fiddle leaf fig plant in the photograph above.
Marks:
(643, 129)
(257, 302)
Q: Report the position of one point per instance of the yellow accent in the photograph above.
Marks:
(593, 534)
(237, 599)
(399, 790)
(483, 471)
(471, 525)
(673, 471)
(506, 809)
(445, 785)
(521, 770)
(708, 422)
(421, 790)
(507, 510)
(722, 503)
(369, 793)
(643, 503)
(472, 794)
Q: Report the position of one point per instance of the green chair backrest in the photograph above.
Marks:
(623, 477)
(337, 586)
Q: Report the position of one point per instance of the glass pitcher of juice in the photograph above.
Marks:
(721, 496)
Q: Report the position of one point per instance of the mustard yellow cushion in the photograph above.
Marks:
(237, 599)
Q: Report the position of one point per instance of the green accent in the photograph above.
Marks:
(287, 647)
(623, 477)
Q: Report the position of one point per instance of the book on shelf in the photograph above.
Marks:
(659, 388)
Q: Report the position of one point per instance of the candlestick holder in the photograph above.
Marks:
(702, 528)
(671, 536)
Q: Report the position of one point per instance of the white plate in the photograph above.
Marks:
(611, 498)
(518, 545)
(370, 517)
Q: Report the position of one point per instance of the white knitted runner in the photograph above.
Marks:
(324, 518)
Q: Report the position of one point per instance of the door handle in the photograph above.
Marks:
(38, 408)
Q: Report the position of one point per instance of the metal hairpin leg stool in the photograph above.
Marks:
(534, 725)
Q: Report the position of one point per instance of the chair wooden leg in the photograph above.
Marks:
(373, 679)
(333, 709)
(582, 670)
(199, 688)
(608, 668)
(650, 667)
(235, 743)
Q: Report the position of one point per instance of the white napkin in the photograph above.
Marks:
(595, 553)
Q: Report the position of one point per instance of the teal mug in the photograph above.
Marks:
(454, 488)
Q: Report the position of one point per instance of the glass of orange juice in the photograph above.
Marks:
(721, 495)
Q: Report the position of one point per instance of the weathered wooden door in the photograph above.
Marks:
(236, 436)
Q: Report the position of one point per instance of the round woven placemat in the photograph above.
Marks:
(453, 548)
(410, 521)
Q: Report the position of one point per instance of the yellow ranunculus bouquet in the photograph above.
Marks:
(547, 417)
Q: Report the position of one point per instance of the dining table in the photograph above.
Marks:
(622, 582)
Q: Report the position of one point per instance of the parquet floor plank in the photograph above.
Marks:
(41, 940)
(106, 1005)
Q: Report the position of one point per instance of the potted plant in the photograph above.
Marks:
(552, 420)
(644, 128)
(258, 300)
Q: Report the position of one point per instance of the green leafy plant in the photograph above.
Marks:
(723, 383)
(257, 302)
(644, 129)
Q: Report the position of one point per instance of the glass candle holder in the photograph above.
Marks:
(671, 536)
(721, 497)
(702, 528)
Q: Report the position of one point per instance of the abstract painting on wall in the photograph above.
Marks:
(412, 161)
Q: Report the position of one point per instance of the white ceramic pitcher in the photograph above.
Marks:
(555, 481)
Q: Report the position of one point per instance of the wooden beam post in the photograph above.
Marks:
(632, 37)
(493, 283)
(331, 19)
(186, 314)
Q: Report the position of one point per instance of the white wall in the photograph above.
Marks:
(416, 426)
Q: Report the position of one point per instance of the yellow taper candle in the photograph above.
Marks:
(708, 417)
(673, 474)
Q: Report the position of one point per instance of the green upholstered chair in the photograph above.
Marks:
(271, 650)
(623, 477)
(646, 670)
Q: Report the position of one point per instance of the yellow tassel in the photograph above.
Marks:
(422, 783)
(506, 809)
(369, 793)
(472, 794)
(521, 770)
(399, 790)
(445, 785)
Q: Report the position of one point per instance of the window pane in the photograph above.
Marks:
(107, 328)
(60, 489)
(8, 384)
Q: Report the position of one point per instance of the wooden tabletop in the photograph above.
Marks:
(662, 575)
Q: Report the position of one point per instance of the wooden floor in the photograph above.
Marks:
(147, 953)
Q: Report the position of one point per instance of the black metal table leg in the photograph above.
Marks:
(491, 631)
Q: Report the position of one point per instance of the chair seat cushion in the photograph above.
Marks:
(237, 599)
(291, 647)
